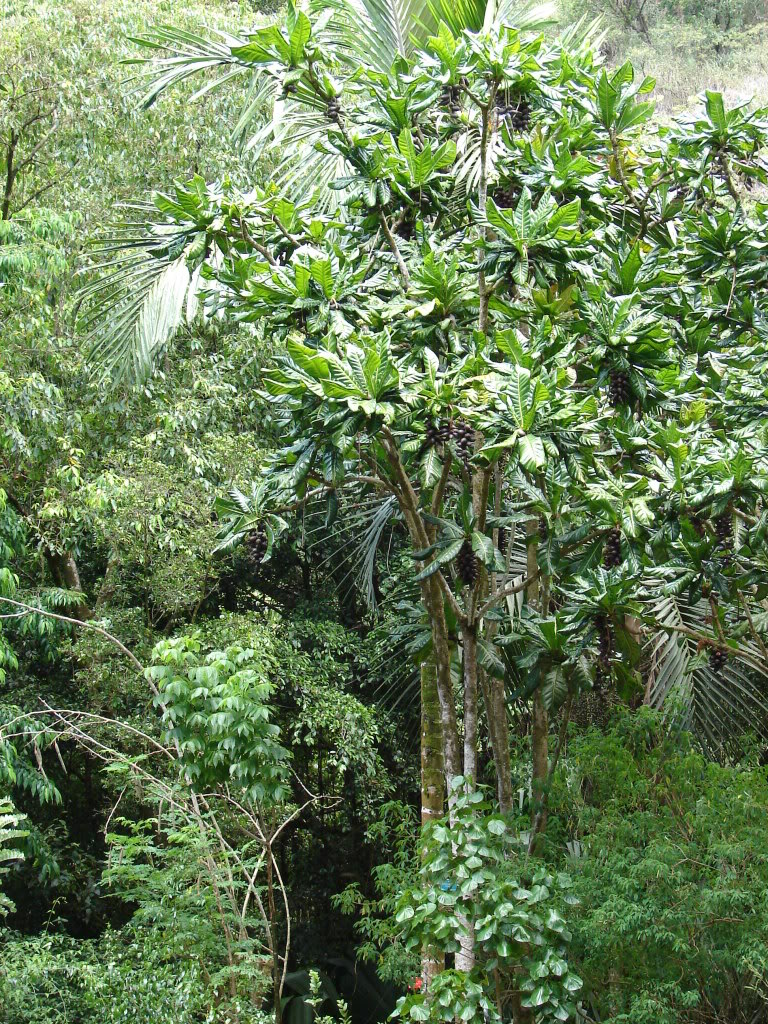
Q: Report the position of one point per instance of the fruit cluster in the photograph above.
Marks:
(724, 531)
(333, 110)
(466, 564)
(256, 545)
(612, 549)
(464, 439)
(619, 389)
(451, 99)
(516, 111)
(718, 658)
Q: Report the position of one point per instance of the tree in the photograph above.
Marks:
(542, 344)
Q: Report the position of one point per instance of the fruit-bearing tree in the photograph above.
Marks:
(526, 322)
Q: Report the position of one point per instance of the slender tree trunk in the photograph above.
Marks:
(539, 751)
(498, 731)
(452, 760)
(465, 957)
(432, 778)
(432, 788)
(432, 597)
(494, 697)
(540, 730)
(276, 969)
(469, 642)
(540, 764)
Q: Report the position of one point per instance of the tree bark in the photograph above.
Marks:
(432, 597)
(432, 788)
(452, 761)
(465, 957)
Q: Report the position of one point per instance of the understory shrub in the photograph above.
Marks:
(672, 878)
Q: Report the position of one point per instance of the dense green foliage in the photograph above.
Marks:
(421, 362)
(671, 924)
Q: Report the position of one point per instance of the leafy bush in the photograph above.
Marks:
(123, 977)
(673, 881)
(475, 882)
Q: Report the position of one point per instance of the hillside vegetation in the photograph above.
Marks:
(383, 474)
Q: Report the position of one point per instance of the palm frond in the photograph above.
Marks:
(356, 536)
(534, 17)
(719, 708)
(10, 819)
(584, 35)
(134, 306)
(177, 55)
(477, 15)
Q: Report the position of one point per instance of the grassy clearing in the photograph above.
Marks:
(682, 69)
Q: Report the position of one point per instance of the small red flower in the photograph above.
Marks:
(416, 984)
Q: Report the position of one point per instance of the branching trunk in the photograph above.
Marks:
(432, 595)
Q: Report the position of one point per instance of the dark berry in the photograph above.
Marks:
(432, 435)
(333, 110)
(543, 529)
(445, 431)
(516, 111)
(450, 98)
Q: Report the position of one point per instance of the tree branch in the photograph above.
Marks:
(31, 609)
(395, 250)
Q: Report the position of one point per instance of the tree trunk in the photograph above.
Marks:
(469, 642)
(432, 788)
(452, 760)
(540, 729)
(540, 763)
(65, 572)
(494, 696)
(465, 957)
(276, 969)
(539, 751)
(498, 732)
